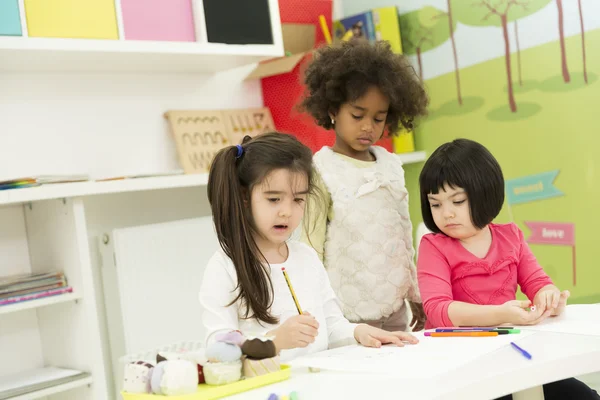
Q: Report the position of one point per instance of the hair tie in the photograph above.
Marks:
(240, 150)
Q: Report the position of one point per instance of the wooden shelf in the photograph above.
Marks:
(47, 301)
(21, 54)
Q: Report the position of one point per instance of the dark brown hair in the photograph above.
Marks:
(343, 73)
(233, 174)
(468, 165)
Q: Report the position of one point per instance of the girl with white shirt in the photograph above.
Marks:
(257, 192)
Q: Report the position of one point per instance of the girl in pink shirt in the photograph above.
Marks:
(468, 269)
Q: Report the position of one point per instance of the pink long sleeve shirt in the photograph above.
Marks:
(448, 272)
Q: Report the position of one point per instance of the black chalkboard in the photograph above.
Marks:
(238, 21)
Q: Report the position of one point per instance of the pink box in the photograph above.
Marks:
(163, 20)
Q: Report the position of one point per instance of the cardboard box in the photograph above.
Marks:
(200, 134)
(298, 41)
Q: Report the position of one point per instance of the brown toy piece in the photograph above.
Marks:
(258, 349)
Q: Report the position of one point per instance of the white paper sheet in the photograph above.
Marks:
(433, 355)
(579, 319)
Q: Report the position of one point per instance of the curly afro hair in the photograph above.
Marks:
(343, 73)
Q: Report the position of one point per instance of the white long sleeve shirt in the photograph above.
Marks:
(312, 288)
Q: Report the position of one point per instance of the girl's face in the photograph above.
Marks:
(278, 206)
(451, 212)
(359, 124)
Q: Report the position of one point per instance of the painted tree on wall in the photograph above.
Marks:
(561, 36)
(451, 29)
(498, 13)
(518, 53)
(585, 77)
(423, 30)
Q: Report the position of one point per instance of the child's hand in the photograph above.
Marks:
(297, 331)
(419, 317)
(562, 303)
(515, 312)
(373, 337)
(547, 298)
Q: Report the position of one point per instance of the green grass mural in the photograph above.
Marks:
(550, 125)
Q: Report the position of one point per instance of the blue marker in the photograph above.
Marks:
(520, 350)
(273, 396)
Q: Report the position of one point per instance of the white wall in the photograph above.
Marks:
(104, 124)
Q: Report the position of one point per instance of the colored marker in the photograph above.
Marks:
(500, 331)
(293, 396)
(287, 278)
(461, 334)
(520, 350)
(273, 396)
(478, 327)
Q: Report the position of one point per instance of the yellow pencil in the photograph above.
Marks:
(287, 278)
(325, 29)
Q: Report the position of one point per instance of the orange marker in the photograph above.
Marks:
(460, 334)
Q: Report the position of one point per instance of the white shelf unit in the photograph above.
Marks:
(60, 331)
(86, 55)
(36, 54)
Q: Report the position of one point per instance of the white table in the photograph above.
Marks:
(556, 356)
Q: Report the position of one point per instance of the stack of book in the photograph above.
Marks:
(25, 287)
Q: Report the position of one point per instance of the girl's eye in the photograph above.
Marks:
(356, 116)
(274, 200)
(459, 202)
(299, 201)
(435, 205)
(379, 121)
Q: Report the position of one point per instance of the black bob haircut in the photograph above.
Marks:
(469, 165)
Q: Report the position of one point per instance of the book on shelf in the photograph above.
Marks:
(25, 287)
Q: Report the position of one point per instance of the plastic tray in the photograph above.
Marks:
(209, 392)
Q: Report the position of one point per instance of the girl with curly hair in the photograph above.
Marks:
(364, 233)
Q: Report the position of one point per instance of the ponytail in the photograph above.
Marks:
(229, 199)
